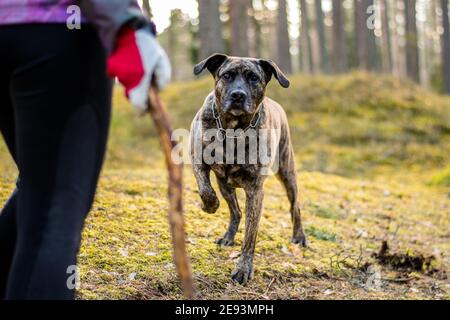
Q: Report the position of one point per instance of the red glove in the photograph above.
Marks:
(135, 60)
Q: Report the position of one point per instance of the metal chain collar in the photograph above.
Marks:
(222, 134)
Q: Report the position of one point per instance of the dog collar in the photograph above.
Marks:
(222, 133)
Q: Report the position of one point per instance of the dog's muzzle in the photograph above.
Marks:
(236, 104)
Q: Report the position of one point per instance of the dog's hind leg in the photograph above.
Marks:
(229, 194)
(288, 178)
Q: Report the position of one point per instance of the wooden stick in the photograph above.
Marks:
(161, 120)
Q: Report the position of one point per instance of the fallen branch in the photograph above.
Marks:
(164, 129)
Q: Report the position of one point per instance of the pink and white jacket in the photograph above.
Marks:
(107, 16)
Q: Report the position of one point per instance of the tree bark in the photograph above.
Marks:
(386, 37)
(255, 29)
(445, 46)
(365, 40)
(239, 27)
(340, 60)
(210, 28)
(412, 49)
(305, 40)
(283, 41)
(360, 26)
(320, 25)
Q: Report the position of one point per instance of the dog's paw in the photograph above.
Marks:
(301, 240)
(210, 202)
(226, 241)
(242, 274)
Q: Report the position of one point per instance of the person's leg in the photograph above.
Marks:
(61, 97)
(7, 240)
(8, 213)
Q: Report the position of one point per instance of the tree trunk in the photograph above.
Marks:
(146, 8)
(412, 49)
(210, 28)
(255, 29)
(320, 25)
(305, 40)
(172, 43)
(359, 33)
(386, 37)
(446, 46)
(365, 40)
(373, 61)
(283, 41)
(340, 61)
(239, 27)
(398, 57)
(428, 52)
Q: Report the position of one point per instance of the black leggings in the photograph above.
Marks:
(55, 104)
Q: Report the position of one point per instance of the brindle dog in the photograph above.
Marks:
(239, 102)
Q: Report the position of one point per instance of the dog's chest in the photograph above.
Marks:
(238, 160)
(236, 175)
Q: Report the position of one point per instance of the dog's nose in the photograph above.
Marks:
(238, 96)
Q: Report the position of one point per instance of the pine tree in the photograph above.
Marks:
(283, 41)
(412, 48)
(239, 27)
(210, 28)
(320, 26)
(386, 37)
(445, 46)
(305, 44)
(339, 52)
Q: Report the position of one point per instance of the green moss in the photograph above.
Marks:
(365, 146)
(442, 178)
(324, 212)
(320, 234)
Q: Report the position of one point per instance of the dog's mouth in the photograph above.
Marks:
(236, 109)
(236, 112)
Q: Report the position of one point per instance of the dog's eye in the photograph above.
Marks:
(253, 77)
(226, 76)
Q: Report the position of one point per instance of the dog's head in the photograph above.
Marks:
(240, 82)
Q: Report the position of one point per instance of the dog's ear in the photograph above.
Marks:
(271, 68)
(212, 63)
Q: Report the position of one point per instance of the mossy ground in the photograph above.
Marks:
(372, 154)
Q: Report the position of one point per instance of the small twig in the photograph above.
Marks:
(399, 280)
(268, 287)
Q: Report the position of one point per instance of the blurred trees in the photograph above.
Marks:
(239, 18)
(386, 37)
(445, 46)
(367, 54)
(339, 40)
(178, 40)
(412, 49)
(407, 38)
(210, 28)
(283, 43)
(305, 43)
(320, 29)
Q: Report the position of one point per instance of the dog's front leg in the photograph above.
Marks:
(253, 206)
(207, 193)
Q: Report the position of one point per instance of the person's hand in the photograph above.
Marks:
(136, 59)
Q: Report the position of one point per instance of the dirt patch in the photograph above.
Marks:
(404, 261)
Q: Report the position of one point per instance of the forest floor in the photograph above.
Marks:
(374, 169)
